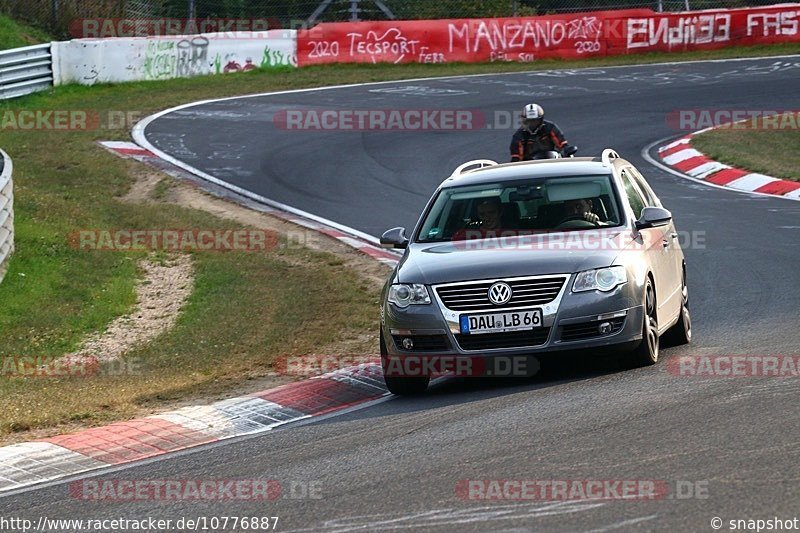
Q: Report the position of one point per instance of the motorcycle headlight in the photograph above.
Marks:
(603, 279)
(403, 295)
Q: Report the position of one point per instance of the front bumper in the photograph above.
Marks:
(573, 321)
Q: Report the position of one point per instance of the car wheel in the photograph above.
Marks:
(401, 385)
(647, 352)
(681, 332)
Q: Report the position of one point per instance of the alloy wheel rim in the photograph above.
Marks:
(652, 337)
(685, 315)
(652, 325)
(687, 321)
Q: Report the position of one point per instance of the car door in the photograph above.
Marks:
(670, 244)
(656, 254)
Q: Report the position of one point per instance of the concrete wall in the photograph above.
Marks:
(115, 60)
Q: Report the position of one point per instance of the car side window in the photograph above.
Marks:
(644, 187)
(633, 194)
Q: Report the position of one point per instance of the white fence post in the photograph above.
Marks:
(6, 213)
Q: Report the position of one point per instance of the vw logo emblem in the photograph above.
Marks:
(499, 293)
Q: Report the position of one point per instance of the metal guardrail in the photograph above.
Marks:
(6, 212)
(25, 70)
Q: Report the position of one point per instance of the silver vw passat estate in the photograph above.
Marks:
(528, 258)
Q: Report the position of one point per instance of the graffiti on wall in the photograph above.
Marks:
(773, 24)
(520, 40)
(159, 60)
(674, 31)
(440, 41)
(192, 57)
(195, 57)
(276, 58)
(227, 63)
(586, 32)
(525, 39)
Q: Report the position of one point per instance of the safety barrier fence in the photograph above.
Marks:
(25, 70)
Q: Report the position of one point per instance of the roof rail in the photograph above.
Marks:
(480, 163)
(608, 155)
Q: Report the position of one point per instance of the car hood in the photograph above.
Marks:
(554, 253)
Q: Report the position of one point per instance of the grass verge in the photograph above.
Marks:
(16, 35)
(771, 147)
(215, 346)
(246, 309)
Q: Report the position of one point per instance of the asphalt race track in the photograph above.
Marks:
(395, 465)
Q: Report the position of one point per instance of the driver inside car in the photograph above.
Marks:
(489, 223)
(581, 208)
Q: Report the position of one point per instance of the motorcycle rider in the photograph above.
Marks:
(538, 136)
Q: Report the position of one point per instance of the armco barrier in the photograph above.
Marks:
(116, 60)
(6, 212)
(25, 70)
(577, 35)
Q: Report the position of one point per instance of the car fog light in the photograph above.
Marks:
(605, 328)
(408, 343)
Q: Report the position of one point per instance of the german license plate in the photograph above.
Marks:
(501, 322)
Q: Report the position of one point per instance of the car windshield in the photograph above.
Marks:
(537, 205)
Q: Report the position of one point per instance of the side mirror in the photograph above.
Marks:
(653, 217)
(394, 238)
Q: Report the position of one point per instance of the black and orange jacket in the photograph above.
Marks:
(547, 137)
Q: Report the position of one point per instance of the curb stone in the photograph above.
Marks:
(680, 156)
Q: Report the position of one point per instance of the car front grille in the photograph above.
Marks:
(513, 339)
(475, 296)
(589, 330)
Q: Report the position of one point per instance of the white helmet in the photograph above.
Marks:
(533, 111)
(532, 117)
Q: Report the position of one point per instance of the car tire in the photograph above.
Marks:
(401, 385)
(646, 353)
(681, 332)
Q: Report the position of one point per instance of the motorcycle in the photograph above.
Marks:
(569, 151)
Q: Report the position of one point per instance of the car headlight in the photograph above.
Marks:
(403, 295)
(602, 279)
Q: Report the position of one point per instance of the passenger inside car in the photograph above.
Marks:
(490, 213)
